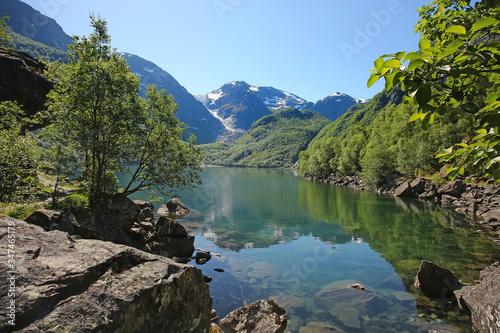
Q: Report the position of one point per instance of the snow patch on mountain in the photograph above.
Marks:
(214, 96)
(216, 115)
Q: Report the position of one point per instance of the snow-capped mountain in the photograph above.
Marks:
(276, 99)
(334, 105)
(236, 105)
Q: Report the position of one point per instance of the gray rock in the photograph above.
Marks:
(174, 208)
(51, 220)
(418, 185)
(347, 304)
(404, 190)
(491, 216)
(453, 188)
(436, 282)
(261, 316)
(95, 286)
(168, 227)
(483, 300)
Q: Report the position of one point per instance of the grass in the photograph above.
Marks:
(20, 210)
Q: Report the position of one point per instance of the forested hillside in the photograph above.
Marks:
(273, 141)
(378, 142)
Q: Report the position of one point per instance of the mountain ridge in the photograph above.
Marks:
(224, 118)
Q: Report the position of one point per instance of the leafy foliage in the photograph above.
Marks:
(100, 114)
(454, 73)
(36, 49)
(18, 166)
(389, 145)
(4, 35)
(156, 155)
(273, 141)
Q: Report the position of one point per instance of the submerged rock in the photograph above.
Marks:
(85, 285)
(347, 304)
(261, 316)
(436, 282)
(319, 327)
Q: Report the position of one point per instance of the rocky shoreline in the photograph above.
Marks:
(112, 269)
(479, 301)
(476, 201)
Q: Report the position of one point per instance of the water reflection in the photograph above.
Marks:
(303, 242)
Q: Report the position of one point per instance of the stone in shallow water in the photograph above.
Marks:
(347, 304)
(319, 327)
(292, 304)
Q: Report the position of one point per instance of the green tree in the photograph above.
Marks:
(18, 165)
(156, 156)
(96, 100)
(4, 36)
(454, 73)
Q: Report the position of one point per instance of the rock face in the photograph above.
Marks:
(21, 81)
(261, 316)
(348, 304)
(87, 285)
(483, 300)
(436, 282)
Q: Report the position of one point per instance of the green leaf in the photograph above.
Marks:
(416, 116)
(378, 63)
(410, 56)
(424, 44)
(414, 64)
(423, 95)
(482, 131)
(492, 97)
(373, 78)
(457, 29)
(392, 63)
(400, 55)
(483, 23)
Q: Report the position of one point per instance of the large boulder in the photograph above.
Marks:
(404, 190)
(454, 188)
(418, 185)
(436, 282)
(261, 316)
(60, 284)
(174, 208)
(169, 227)
(482, 301)
(51, 220)
(348, 302)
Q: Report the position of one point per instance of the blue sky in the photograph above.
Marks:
(309, 48)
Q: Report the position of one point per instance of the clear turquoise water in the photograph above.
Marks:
(285, 238)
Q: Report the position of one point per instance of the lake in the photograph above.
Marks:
(304, 244)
